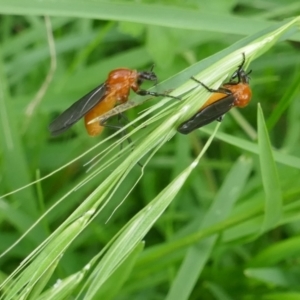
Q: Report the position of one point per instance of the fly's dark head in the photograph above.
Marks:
(240, 73)
(147, 75)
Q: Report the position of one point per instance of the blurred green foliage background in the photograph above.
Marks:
(245, 263)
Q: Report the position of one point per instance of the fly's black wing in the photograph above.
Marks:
(77, 110)
(209, 114)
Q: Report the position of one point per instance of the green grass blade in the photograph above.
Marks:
(270, 179)
(198, 254)
(285, 296)
(111, 287)
(43, 281)
(276, 253)
(12, 156)
(63, 289)
(137, 228)
(138, 12)
(290, 95)
(280, 157)
(274, 276)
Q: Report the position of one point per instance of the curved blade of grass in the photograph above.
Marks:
(283, 158)
(247, 229)
(290, 94)
(12, 148)
(38, 288)
(138, 12)
(250, 214)
(217, 291)
(40, 266)
(198, 254)
(137, 228)
(274, 276)
(270, 179)
(114, 283)
(280, 296)
(62, 289)
(72, 227)
(274, 254)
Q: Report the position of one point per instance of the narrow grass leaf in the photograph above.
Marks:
(217, 291)
(280, 296)
(198, 254)
(42, 282)
(274, 276)
(12, 150)
(62, 289)
(137, 228)
(283, 158)
(270, 179)
(289, 96)
(111, 287)
(138, 12)
(274, 254)
(52, 253)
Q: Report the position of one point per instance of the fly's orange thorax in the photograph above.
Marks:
(119, 83)
(241, 92)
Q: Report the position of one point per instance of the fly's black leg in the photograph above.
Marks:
(117, 127)
(123, 133)
(148, 93)
(205, 86)
(240, 74)
(219, 90)
(225, 91)
(129, 140)
(124, 117)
